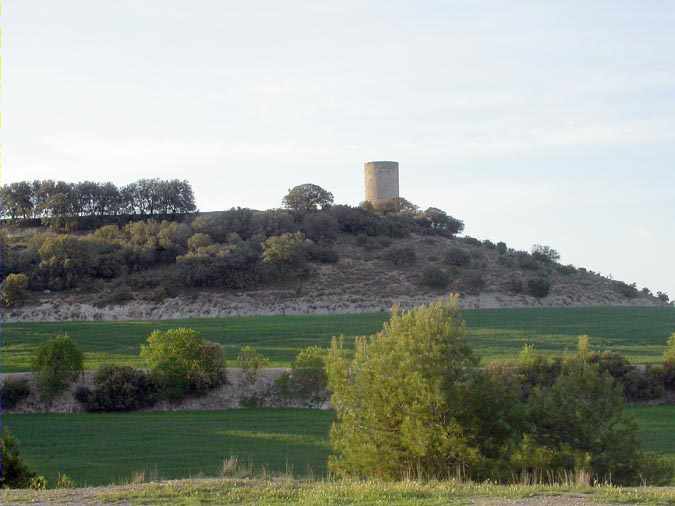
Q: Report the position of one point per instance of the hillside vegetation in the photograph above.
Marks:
(152, 259)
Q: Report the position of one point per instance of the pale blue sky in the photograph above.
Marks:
(534, 121)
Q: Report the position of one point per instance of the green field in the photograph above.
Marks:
(639, 333)
(99, 449)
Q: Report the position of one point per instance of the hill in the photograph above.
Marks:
(311, 259)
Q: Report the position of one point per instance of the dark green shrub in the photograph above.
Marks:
(14, 473)
(629, 291)
(403, 256)
(182, 363)
(320, 227)
(545, 254)
(457, 257)
(435, 277)
(13, 391)
(567, 269)
(119, 388)
(539, 287)
(489, 244)
(56, 364)
(471, 241)
(663, 297)
(643, 385)
(502, 248)
(669, 377)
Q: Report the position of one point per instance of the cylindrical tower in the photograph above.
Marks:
(381, 182)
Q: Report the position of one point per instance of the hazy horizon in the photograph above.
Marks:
(549, 123)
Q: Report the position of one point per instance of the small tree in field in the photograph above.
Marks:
(251, 362)
(183, 363)
(394, 401)
(13, 289)
(56, 364)
(669, 355)
(307, 197)
(13, 472)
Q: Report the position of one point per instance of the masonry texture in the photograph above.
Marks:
(381, 182)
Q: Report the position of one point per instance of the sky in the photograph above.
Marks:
(534, 122)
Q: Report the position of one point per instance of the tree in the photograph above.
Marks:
(56, 364)
(183, 363)
(307, 197)
(285, 251)
(442, 222)
(251, 362)
(545, 253)
(65, 259)
(395, 425)
(13, 472)
(13, 289)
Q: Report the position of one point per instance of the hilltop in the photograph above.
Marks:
(157, 260)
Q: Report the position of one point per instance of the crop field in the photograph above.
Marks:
(96, 449)
(638, 333)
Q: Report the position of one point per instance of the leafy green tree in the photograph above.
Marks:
(183, 363)
(395, 400)
(56, 364)
(13, 471)
(65, 259)
(197, 241)
(13, 289)
(285, 252)
(307, 197)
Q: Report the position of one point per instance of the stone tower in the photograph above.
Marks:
(381, 182)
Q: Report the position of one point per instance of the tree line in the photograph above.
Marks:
(58, 199)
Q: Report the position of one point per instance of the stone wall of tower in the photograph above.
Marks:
(382, 183)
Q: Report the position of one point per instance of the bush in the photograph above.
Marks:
(527, 261)
(471, 241)
(13, 290)
(545, 254)
(322, 254)
(285, 252)
(502, 248)
(403, 256)
(320, 227)
(393, 398)
(629, 291)
(457, 257)
(307, 378)
(56, 364)
(119, 388)
(14, 473)
(539, 287)
(643, 386)
(435, 277)
(13, 391)
(183, 363)
(663, 297)
(567, 270)
(251, 362)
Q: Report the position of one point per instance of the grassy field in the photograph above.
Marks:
(639, 333)
(282, 492)
(103, 448)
